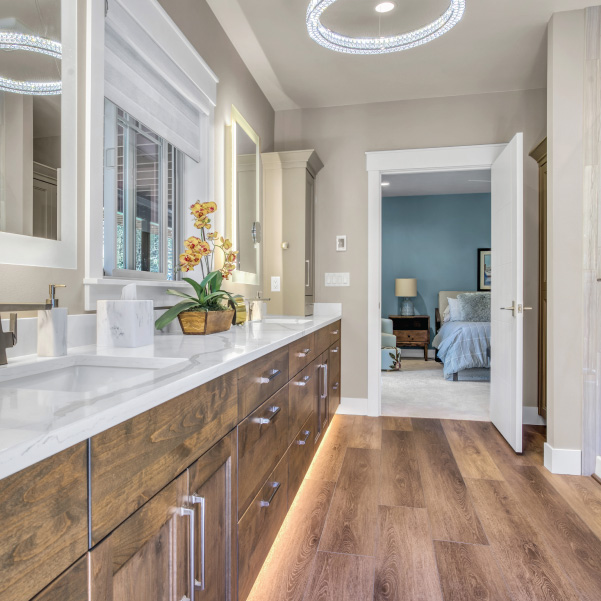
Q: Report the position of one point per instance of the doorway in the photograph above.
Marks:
(506, 164)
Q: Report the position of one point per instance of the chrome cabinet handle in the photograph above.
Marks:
(307, 433)
(307, 273)
(335, 350)
(304, 352)
(335, 332)
(272, 374)
(304, 381)
(324, 393)
(275, 486)
(335, 386)
(189, 512)
(267, 420)
(199, 585)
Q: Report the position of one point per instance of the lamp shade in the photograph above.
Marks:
(405, 287)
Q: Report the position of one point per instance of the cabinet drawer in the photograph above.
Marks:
(334, 360)
(300, 455)
(259, 526)
(44, 515)
(131, 462)
(303, 397)
(412, 336)
(262, 442)
(327, 336)
(258, 380)
(70, 586)
(411, 323)
(301, 353)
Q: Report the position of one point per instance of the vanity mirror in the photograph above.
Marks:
(244, 202)
(38, 133)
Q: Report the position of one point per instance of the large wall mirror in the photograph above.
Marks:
(244, 198)
(38, 125)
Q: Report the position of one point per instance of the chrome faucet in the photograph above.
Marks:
(9, 339)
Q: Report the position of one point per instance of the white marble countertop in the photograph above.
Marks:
(36, 424)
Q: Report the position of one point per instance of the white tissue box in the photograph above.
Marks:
(124, 323)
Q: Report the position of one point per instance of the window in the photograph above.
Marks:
(142, 186)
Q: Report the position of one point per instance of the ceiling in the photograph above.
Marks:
(430, 184)
(500, 45)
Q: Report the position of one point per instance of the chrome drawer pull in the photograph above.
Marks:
(187, 511)
(304, 381)
(335, 350)
(272, 374)
(307, 433)
(324, 394)
(335, 386)
(267, 420)
(335, 333)
(304, 352)
(276, 487)
(196, 500)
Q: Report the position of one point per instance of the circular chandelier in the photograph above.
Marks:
(382, 44)
(11, 40)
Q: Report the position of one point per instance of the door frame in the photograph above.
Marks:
(415, 160)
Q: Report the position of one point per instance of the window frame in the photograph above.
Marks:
(111, 123)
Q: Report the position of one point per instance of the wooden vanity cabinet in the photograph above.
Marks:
(148, 557)
(334, 379)
(70, 586)
(44, 520)
(212, 481)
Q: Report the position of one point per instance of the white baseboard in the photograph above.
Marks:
(598, 468)
(352, 406)
(412, 353)
(563, 461)
(531, 417)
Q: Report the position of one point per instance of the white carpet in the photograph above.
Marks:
(420, 390)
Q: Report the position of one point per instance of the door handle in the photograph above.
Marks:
(200, 585)
(189, 513)
(307, 273)
(324, 394)
(275, 486)
(512, 308)
(273, 411)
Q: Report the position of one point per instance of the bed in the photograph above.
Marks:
(463, 347)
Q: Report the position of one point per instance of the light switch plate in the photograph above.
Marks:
(275, 283)
(338, 279)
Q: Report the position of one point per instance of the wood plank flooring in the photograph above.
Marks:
(434, 510)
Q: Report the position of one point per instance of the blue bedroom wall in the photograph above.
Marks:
(436, 240)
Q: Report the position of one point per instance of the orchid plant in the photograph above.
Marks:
(200, 250)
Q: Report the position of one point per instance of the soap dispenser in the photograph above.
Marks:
(52, 327)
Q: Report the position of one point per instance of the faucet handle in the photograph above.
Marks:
(53, 301)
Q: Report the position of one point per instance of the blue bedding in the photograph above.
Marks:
(463, 345)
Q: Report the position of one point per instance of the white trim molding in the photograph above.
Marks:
(352, 406)
(417, 160)
(563, 461)
(598, 467)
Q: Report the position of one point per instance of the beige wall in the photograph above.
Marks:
(236, 86)
(342, 135)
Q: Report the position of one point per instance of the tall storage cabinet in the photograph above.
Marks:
(289, 229)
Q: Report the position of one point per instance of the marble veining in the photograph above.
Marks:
(35, 424)
(124, 323)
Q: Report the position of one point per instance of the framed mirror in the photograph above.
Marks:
(38, 133)
(244, 206)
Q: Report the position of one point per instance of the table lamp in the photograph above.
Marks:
(406, 288)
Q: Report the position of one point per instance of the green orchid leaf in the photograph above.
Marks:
(197, 287)
(182, 294)
(169, 315)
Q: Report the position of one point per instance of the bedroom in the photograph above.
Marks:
(435, 309)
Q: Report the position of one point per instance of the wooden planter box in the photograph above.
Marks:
(205, 322)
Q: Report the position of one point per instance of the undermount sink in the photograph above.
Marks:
(84, 373)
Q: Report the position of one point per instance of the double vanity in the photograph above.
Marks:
(163, 471)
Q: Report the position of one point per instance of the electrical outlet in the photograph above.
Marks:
(275, 283)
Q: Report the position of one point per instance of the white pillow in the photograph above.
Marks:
(446, 316)
(454, 310)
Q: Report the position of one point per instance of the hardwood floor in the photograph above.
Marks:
(399, 509)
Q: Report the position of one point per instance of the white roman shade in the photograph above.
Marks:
(171, 98)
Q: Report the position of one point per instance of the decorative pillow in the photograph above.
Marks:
(454, 310)
(446, 316)
(475, 306)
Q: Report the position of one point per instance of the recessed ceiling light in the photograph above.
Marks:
(384, 184)
(385, 7)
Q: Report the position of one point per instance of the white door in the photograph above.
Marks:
(507, 302)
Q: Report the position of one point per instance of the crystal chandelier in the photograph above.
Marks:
(382, 44)
(12, 40)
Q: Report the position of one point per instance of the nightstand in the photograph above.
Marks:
(412, 331)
